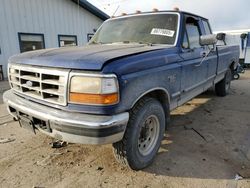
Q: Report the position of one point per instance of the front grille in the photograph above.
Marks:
(46, 84)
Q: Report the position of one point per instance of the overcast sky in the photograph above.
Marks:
(223, 14)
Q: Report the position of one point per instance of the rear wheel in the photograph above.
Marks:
(143, 135)
(222, 88)
(236, 76)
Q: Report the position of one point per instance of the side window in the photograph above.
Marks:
(193, 33)
(206, 27)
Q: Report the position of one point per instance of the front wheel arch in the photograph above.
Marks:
(160, 94)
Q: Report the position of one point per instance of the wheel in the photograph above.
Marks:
(236, 76)
(143, 135)
(222, 87)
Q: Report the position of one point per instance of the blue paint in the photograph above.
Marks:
(141, 68)
(248, 40)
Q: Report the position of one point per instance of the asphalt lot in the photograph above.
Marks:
(206, 145)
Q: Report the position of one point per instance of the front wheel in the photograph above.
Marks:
(143, 135)
(222, 88)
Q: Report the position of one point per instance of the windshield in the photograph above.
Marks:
(148, 29)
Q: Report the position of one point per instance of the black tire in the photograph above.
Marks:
(222, 88)
(130, 150)
(236, 76)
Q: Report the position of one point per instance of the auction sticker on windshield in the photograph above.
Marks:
(163, 32)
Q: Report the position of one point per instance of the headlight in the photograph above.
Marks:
(93, 89)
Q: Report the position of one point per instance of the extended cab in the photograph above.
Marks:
(121, 87)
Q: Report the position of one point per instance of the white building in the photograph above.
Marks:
(36, 24)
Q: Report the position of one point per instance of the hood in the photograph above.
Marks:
(89, 57)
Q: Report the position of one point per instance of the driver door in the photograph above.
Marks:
(194, 68)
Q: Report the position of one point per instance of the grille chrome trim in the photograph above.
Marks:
(47, 84)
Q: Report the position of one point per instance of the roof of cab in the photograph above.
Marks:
(165, 11)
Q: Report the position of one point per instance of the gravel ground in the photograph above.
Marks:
(206, 145)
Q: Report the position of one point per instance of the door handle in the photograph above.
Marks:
(203, 54)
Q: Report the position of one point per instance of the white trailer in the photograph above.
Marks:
(241, 38)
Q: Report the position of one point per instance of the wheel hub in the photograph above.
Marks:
(149, 135)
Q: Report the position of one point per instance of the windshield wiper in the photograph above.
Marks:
(147, 43)
(131, 42)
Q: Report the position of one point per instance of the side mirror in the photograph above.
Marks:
(206, 40)
(243, 36)
(221, 36)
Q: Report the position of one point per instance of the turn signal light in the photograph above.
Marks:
(97, 99)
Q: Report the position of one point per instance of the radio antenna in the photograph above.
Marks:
(116, 10)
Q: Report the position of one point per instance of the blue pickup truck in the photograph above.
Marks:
(121, 87)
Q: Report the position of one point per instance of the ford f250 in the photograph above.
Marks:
(120, 88)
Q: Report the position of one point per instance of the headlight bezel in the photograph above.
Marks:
(98, 76)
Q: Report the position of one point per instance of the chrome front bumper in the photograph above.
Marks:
(72, 127)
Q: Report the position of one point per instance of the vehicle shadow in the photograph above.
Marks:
(206, 140)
